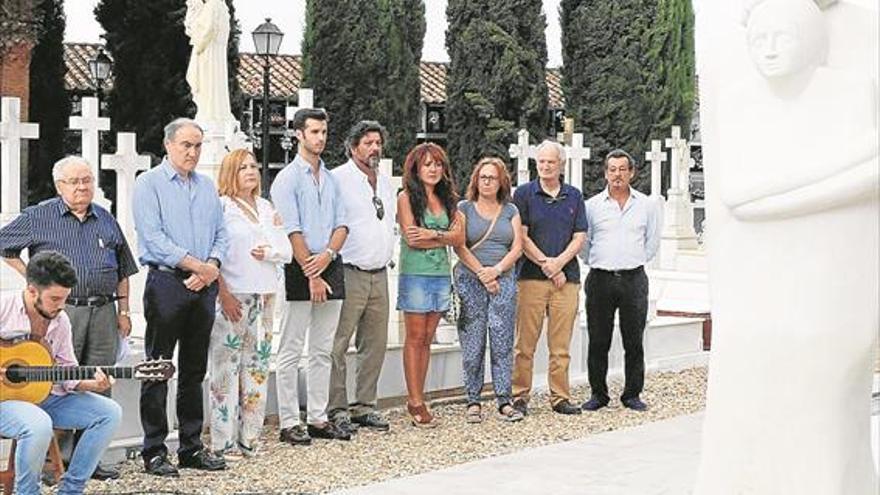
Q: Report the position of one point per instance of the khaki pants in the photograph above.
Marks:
(537, 298)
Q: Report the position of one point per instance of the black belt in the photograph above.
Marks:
(167, 269)
(355, 267)
(620, 273)
(91, 301)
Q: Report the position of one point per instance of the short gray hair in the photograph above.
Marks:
(560, 150)
(60, 165)
(175, 125)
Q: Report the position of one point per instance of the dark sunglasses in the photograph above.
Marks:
(380, 208)
(548, 200)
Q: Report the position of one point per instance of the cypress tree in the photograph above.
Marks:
(496, 82)
(50, 103)
(150, 53)
(627, 75)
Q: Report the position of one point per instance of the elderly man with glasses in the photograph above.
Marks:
(370, 212)
(90, 237)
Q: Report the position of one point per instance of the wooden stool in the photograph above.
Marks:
(54, 464)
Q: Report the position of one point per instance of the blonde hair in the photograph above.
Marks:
(227, 177)
(473, 189)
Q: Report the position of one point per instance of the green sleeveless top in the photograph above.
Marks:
(431, 262)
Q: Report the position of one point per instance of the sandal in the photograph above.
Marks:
(509, 413)
(420, 417)
(473, 413)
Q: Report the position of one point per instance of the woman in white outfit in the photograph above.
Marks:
(241, 340)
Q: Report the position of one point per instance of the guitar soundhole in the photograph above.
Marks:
(14, 374)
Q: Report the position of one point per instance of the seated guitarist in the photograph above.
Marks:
(37, 313)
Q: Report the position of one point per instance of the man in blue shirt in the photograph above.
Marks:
(554, 228)
(624, 233)
(309, 201)
(182, 238)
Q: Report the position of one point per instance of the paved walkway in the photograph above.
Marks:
(654, 459)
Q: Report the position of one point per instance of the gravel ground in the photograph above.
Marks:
(326, 466)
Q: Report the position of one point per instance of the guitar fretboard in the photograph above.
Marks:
(63, 373)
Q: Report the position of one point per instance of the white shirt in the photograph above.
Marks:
(241, 271)
(621, 239)
(370, 242)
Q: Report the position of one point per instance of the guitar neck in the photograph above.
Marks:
(64, 373)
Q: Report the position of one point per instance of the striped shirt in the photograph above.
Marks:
(174, 217)
(95, 246)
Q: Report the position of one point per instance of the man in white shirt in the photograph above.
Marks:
(623, 233)
(370, 213)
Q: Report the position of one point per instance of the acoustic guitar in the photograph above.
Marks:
(29, 371)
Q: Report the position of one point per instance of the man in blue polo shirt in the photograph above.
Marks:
(554, 229)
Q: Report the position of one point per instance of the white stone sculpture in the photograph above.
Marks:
(207, 25)
(791, 168)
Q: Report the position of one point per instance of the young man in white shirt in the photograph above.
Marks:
(370, 215)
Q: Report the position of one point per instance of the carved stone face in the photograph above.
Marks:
(785, 37)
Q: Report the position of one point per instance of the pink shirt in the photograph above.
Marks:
(15, 325)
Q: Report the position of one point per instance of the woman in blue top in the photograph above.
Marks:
(486, 284)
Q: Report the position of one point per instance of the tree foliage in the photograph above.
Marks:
(496, 82)
(362, 61)
(49, 101)
(150, 52)
(628, 75)
(18, 23)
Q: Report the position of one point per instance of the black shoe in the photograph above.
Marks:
(159, 465)
(105, 473)
(635, 404)
(204, 460)
(329, 431)
(296, 435)
(344, 423)
(371, 420)
(566, 407)
(594, 404)
(521, 406)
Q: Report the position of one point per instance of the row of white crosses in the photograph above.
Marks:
(573, 168)
(12, 132)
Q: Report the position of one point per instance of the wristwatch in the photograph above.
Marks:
(124, 312)
(332, 254)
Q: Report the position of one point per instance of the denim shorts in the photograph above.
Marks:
(423, 293)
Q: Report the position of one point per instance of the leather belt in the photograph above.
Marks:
(355, 267)
(167, 269)
(91, 301)
(620, 273)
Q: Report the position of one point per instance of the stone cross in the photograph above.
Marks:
(522, 151)
(91, 124)
(656, 156)
(12, 131)
(305, 99)
(678, 159)
(126, 162)
(577, 153)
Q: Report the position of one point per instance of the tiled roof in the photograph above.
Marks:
(285, 76)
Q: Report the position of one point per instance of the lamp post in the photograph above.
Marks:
(267, 41)
(99, 69)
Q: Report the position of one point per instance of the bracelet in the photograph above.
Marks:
(124, 312)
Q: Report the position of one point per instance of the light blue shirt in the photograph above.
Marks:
(621, 239)
(174, 217)
(309, 206)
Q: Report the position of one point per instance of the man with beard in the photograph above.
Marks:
(309, 200)
(38, 314)
(370, 206)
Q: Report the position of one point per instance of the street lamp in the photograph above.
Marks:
(99, 68)
(267, 40)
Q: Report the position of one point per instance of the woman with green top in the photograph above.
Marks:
(429, 222)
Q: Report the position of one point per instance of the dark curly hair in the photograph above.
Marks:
(415, 190)
(48, 268)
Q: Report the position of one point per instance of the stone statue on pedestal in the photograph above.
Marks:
(207, 25)
(791, 153)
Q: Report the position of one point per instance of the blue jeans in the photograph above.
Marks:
(31, 425)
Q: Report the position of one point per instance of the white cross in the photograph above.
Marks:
(678, 160)
(577, 153)
(12, 131)
(656, 156)
(91, 124)
(305, 99)
(522, 151)
(126, 162)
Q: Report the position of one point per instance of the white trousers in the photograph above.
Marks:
(319, 322)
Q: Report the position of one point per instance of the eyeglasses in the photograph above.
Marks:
(548, 200)
(245, 166)
(488, 178)
(75, 181)
(380, 208)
